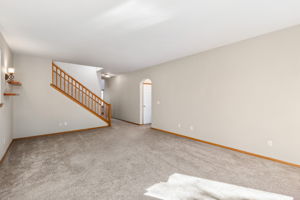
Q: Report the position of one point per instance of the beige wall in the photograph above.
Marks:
(241, 95)
(40, 109)
(5, 111)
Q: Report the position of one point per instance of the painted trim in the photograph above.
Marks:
(59, 133)
(5, 154)
(129, 122)
(230, 148)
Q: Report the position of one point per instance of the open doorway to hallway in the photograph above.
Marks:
(146, 101)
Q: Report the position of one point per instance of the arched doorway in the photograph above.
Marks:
(146, 101)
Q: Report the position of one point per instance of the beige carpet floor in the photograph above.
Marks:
(120, 162)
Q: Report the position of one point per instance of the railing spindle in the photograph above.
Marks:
(64, 82)
(56, 77)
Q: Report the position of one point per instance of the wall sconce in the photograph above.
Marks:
(9, 76)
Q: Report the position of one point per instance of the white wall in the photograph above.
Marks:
(241, 95)
(5, 111)
(40, 109)
(87, 75)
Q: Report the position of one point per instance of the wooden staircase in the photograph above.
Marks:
(76, 91)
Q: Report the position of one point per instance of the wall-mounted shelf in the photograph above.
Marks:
(10, 94)
(16, 83)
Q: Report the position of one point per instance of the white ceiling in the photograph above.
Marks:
(125, 35)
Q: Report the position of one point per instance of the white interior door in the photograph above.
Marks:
(147, 104)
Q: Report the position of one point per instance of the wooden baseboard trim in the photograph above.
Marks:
(129, 122)
(60, 133)
(3, 157)
(232, 149)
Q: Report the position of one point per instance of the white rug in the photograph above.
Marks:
(182, 187)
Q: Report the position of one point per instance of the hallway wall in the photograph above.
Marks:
(245, 95)
(6, 109)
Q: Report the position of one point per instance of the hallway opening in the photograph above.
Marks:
(146, 101)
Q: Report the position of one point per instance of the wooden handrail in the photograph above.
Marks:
(75, 90)
(53, 64)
